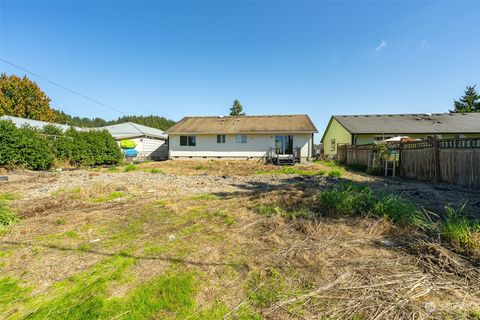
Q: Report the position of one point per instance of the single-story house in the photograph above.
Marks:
(368, 129)
(150, 143)
(241, 137)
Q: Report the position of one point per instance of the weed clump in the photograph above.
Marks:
(460, 232)
(130, 167)
(7, 215)
(110, 197)
(268, 210)
(357, 200)
(206, 197)
(456, 229)
(155, 170)
(335, 173)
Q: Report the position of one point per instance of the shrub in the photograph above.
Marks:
(24, 147)
(37, 150)
(88, 148)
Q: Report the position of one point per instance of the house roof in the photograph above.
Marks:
(436, 123)
(298, 123)
(128, 130)
(124, 130)
(21, 122)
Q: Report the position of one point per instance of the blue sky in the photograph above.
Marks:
(194, 58)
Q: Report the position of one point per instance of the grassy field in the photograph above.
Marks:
(230, 240)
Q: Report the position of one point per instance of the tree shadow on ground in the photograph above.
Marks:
(144, 257)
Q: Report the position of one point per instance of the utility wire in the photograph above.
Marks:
(63, 87)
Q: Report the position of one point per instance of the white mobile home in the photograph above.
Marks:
(150, 142)
(242, 137)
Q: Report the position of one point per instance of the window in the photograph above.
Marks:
(332, 145)
(190, 141)
(220, 138)
(241, 138)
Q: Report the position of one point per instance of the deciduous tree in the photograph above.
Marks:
(21, 97)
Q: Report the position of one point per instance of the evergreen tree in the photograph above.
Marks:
(157, 122)
(470, 102)
(236, 109)
(21, 97)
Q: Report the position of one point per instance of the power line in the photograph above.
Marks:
(63, 87)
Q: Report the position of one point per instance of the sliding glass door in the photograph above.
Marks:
(284, 144)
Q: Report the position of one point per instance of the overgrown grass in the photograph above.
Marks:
(10, 291)
(460, 232)
(154, 170)
(293, 170)
(328, 163)
(357, 200)
(110, 197)
(206, 197)
(268, 209)
(225, 216)
(335, 173)
(8, 216)
(87, 295)
(265, 287)
(8, 196)
(130, 167)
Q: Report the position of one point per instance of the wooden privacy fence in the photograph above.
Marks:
(453, 161)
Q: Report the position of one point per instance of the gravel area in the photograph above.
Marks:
(32, 185)
(38, 185)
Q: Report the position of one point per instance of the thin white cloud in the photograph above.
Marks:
(424, 44)
(381, 46)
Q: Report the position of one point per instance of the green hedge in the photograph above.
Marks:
(38, 149)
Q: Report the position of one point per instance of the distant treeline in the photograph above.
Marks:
(21, 97)
(149, 121)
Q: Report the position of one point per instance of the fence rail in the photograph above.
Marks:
(454, 161)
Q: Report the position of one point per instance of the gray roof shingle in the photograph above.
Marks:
(411, 123)
(131, 130)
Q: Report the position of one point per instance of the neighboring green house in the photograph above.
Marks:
(367, 129)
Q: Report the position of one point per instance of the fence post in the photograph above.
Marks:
(400, 155)
(436, 160)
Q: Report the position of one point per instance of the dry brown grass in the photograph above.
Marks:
(278, 266)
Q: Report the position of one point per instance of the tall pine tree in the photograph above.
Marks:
(470, 102)
(236, 109)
